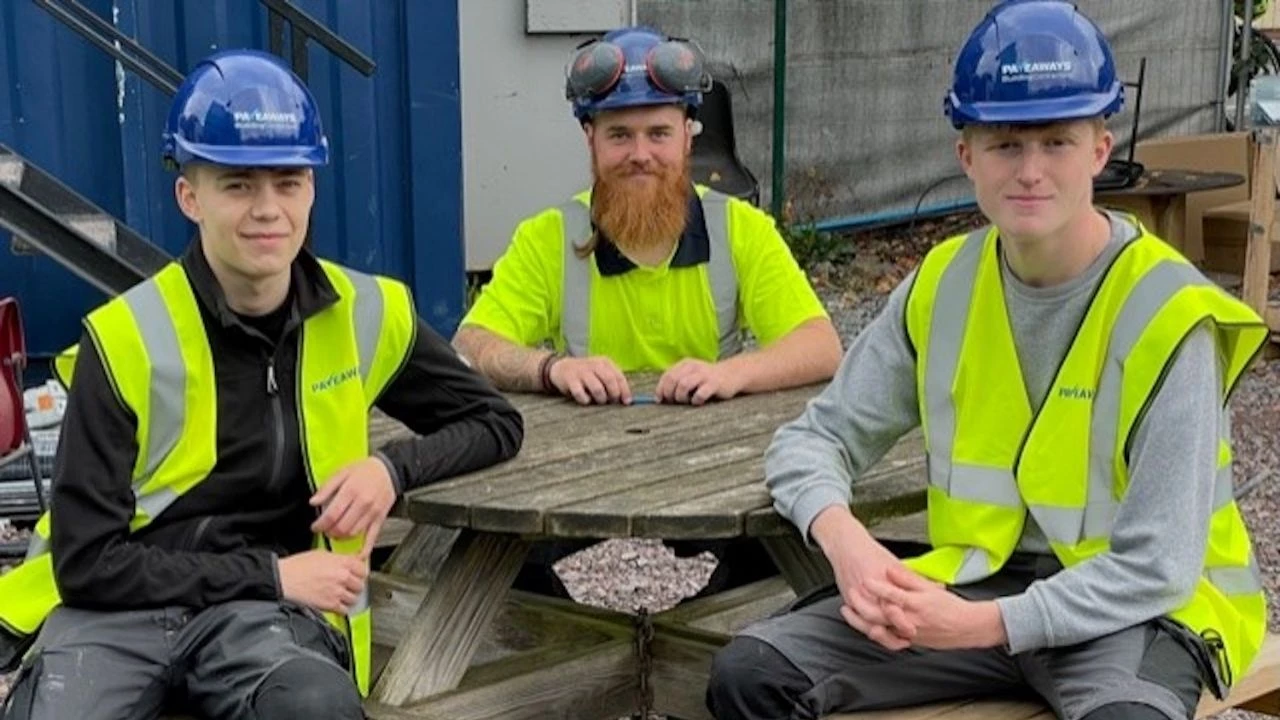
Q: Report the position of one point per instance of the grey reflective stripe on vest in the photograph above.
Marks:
(720, 272)
(1224, 489)
(37, 546)
(975, 566)
(1236, 580)
(575, 300)
(575, 313)
(1068, 526)
(975, 483)
(950, 316)
(168, 383)
(368, 317)
(362, 602)
(167, 390)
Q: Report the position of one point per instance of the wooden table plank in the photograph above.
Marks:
(610, 493)
(623, 428)
(719, 514)
(571, 684)
(559, 411)
(894, 486)
(601, 444)
(613, 515)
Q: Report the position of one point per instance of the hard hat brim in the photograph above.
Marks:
(623, 101)
(251, 155)
(1035, 112)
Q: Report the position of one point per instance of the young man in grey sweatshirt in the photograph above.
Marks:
(1105, 619)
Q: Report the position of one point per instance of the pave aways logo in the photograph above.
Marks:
(334, 380)
(1076, 393)
(259, 120)
(1024, 71)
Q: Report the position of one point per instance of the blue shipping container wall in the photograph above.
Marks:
(389, 202)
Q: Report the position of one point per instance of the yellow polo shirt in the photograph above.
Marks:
(646, 318)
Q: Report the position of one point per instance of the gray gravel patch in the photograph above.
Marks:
(631, 575)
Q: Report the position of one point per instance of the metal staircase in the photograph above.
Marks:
(46, 216)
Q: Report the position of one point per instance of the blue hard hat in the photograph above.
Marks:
(635, 66)
(1034, 61)
(244, 108)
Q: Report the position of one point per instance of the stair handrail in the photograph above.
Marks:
(304, 27)
(127, 51)
(150, 67)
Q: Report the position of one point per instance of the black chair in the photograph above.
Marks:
(715, 161)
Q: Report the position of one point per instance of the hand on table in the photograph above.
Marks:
(590, 380)
(695, 382)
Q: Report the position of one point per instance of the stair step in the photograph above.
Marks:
(11, 170)
(99, 228)
(46, 216)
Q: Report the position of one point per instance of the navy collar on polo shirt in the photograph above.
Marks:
(694, 247)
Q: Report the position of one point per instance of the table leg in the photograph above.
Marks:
(1176, 225)
(803, 569)
(457, 609)
(1169, 217)
(422, 552)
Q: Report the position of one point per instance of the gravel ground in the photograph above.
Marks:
(629, 574)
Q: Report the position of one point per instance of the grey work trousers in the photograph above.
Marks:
(807, 663)
(246, 659)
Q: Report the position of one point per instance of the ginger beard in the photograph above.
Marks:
(640, 207)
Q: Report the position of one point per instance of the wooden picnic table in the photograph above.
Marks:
(467, 646)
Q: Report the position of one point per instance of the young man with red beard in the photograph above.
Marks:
(645, 271)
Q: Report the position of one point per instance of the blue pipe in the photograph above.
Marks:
(887, 217)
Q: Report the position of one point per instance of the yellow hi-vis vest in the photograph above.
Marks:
(154, 348)
(990, 461)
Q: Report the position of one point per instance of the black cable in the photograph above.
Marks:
(915, 211)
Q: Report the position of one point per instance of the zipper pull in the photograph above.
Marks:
(272, 387)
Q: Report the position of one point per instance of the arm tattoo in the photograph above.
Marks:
(507, 365)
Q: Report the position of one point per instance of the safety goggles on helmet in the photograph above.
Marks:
(635, 67)
(675, 67)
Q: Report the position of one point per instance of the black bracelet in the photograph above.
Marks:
(544, 373)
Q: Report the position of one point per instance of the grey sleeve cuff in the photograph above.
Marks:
(1025, 624)
(812, 502)
(392, 471)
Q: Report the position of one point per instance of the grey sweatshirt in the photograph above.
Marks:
(1160, 532)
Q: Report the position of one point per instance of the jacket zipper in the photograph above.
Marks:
(277, 422)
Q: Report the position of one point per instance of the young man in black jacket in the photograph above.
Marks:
(215, 501)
